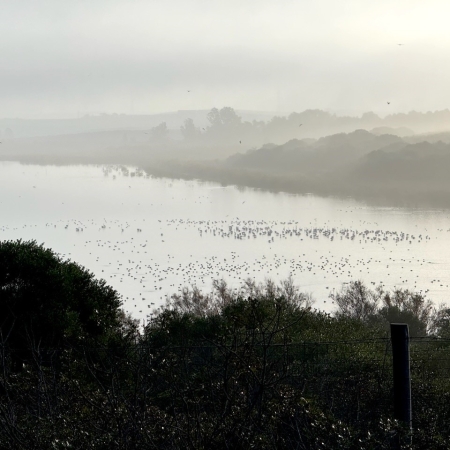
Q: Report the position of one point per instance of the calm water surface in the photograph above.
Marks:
(150, 237)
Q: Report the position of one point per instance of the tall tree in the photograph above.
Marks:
(189, 130)
(160, 132)
(46, 301)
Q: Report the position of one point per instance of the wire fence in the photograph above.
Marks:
(352, 380)
(325, 368)
(432, 354)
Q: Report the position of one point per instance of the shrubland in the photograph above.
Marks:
(255, 367)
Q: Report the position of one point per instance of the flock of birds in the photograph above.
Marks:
(142, 260)
(251, 229)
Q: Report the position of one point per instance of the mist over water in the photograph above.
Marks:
(149, 237)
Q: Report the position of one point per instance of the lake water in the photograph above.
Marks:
(149, 237)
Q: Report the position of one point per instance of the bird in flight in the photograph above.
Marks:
(189, 91)
(240, 142)
(388, 103)
(300, 125)
(400, 44)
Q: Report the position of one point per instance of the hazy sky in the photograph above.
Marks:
(92, 56)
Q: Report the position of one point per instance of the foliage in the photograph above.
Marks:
(441, 322)
(47, 302)
(189, 130)
(225, 117)
(160, 132)
(357, 301)
(194, 301)
(380, 307)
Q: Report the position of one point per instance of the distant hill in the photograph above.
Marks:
(400, 131)
(271, 126)
(22, 128)
(306, 156)
(425, 163)
(429, 137)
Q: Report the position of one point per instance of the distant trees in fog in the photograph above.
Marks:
(226, 126)
(189, 131)
(160, 132)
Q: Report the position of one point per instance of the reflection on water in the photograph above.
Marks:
(150, 237)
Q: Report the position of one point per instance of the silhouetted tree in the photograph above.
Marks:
(356, 301)
(160, 132)
(379, 308)
(226, 125)
(48, 302)
(214, 118)
(229, 117)
(189, 130)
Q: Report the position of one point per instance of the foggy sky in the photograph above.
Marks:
(79, 57)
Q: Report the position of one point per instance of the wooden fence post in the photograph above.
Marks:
(402, 374)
